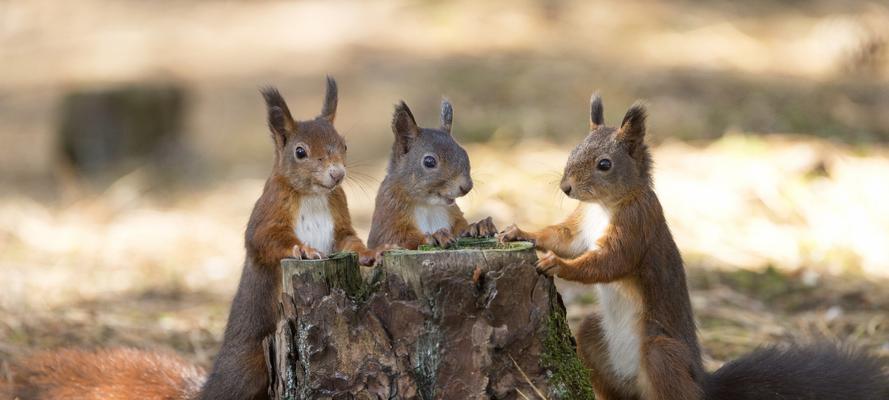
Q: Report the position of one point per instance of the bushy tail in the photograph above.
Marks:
(815, 372)
(110, 374)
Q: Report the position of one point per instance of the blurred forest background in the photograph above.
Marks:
(770, 124)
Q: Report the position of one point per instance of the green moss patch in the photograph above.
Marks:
(472, 244)
(570, 379)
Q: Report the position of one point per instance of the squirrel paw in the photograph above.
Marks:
(512, 233)
(373, 257)
(481, 229)
(307, 253)
(367, 257)
(549, 264)
(441, 238)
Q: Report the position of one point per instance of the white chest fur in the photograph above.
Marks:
(621, 306)
(593, 225)
(431, 218)
(621, 311)
(314, 223)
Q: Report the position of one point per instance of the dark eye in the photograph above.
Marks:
(429, 162)
(300, 152)
(603, 164)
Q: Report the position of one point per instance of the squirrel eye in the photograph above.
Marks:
(300, 152)
(603, 164)
(429, 162)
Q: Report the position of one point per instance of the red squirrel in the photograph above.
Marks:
(301, 213)
(427, 171)
(644, 343)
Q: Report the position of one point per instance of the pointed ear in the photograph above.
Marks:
(447, 115)
(632, 129)
(328, 111)
(279, 119)
(405, 128)
(597, 117)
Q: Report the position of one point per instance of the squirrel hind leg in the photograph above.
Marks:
(668, 371)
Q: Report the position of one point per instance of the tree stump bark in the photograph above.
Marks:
(470, 323)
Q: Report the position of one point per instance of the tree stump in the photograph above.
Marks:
(107, 128)
(474, 322)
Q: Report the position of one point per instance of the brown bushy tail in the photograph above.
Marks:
(817, 372)
(110, 374)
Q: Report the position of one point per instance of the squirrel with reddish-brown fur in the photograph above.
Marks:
(643, 344)
(301, 213)
(427, 171)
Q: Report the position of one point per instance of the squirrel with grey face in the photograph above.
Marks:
(301, 213)
(427, 171)
(643, 344)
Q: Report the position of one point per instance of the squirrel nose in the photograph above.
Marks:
(566, 187)
(465, 188)
(337, 175)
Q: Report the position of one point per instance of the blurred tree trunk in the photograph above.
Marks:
(458, 324)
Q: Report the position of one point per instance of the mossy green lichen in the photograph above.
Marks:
(427, 359)
(474, 244)
(570, 379)
(368, 286)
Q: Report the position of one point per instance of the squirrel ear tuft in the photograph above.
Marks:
(404, 126)
(632, 129)
(279, 119)
(331, 97)
(597, 112)
(447, 115)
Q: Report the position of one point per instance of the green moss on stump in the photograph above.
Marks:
(570, 377)
(472, 244)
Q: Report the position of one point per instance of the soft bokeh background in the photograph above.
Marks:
(769, 123)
